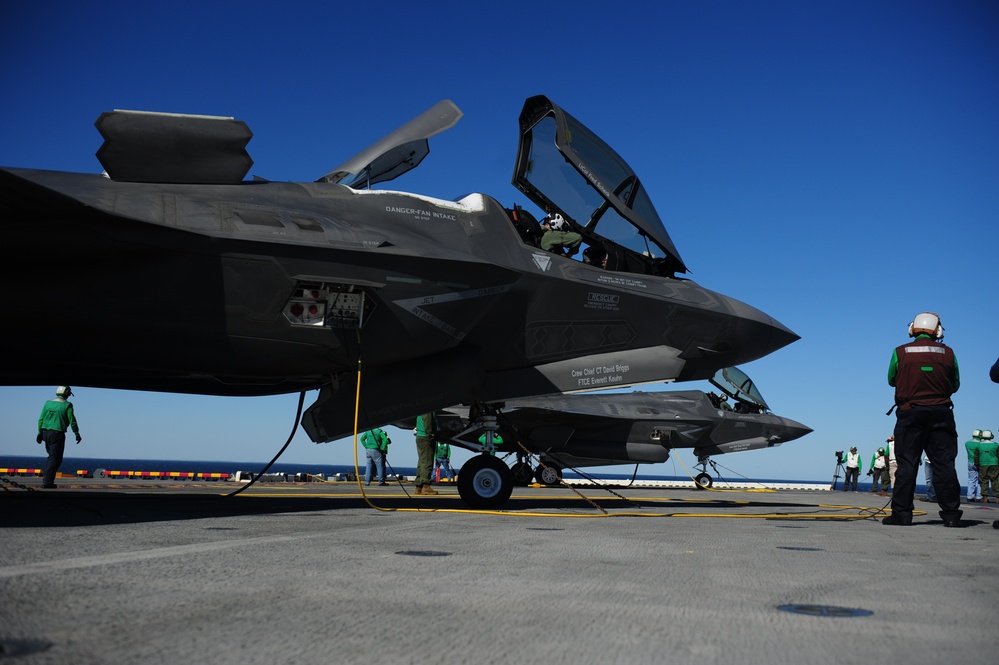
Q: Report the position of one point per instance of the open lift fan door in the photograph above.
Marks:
(141, 146)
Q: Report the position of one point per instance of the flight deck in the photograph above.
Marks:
(137, 571)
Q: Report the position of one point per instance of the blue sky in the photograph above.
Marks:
(835, 164)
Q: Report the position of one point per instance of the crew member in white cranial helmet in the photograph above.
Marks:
(57, 416)
(924, 373)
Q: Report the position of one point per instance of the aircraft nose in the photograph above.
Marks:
(792, 429)
(758, 333)
(747, 334)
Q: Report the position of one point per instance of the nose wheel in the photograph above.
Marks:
(703, 480)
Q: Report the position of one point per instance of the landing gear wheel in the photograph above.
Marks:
(703, 481)
(522, 474)
(485, 482)
(549, 474)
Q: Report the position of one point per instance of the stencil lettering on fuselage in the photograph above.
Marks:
(417, 306)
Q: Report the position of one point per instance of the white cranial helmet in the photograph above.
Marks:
(926, 323)
(976, 434)
(64, 391)
(986, 435)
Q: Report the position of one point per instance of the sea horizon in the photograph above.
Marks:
(72, 464)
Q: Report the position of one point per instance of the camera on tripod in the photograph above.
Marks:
(839, 456)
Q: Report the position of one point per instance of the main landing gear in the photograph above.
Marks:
(485, 482)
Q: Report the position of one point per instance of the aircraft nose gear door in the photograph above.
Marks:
(485, 482)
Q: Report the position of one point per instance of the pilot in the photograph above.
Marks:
(557, 236)
(925, 374)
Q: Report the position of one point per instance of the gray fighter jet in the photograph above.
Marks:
(548, 434)
(171, 272)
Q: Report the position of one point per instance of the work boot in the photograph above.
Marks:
(426, 489)
(896, 520)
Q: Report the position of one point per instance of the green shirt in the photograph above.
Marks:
(971, 447)
(57, 415)
(988, 453)
(376, 439)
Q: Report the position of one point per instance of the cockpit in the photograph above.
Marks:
(735, 383)
(566, 169)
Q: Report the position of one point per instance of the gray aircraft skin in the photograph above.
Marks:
(171, 273)
(548, 434)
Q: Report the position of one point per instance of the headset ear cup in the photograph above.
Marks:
(912, 333)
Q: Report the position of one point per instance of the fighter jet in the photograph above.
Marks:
(548, 434)
(173, 272)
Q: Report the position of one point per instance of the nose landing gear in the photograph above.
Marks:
(703, 480)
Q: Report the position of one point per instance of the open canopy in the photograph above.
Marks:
(736, 384)
(564, 167)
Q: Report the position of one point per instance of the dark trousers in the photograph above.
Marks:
(876, 478)
(55, 446)
(928, 429)
(853, 473)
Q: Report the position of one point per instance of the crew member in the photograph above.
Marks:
(376, 443)
(987, 457)
(57, 416)
(925, 374)
(879, 467)
(974, 486)
(426, 432)
(853, 464)
(442, 461)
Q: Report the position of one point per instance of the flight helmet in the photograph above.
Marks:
(926, 323)
(64, 391)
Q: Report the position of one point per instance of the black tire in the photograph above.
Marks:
(485, 482)
(549, 473)
(703, 481)
(523, 474)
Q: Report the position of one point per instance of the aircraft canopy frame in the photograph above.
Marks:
(562, 166)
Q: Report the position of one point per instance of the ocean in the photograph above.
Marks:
(71, 465)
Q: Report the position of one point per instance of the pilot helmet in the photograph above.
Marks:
(64, 391)
(556, 221)
(926, 323)
(986, 435)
